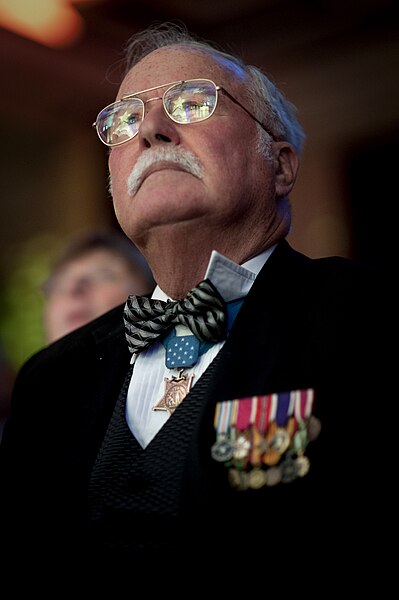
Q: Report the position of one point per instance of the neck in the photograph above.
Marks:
(179, 259)
(178, 275)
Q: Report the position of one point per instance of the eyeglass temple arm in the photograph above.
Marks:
(248, 112)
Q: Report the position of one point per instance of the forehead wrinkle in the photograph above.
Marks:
(185, 66)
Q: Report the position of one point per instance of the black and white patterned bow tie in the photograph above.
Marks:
(203, 310)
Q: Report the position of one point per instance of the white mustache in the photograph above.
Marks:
(184, 158)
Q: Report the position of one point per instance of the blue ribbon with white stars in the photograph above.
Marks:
(183, 351)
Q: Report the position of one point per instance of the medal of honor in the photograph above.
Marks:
(181, 352)
(176, 389)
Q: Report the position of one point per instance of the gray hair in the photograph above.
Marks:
(270, 105)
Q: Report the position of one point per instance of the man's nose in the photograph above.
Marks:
(157, 128)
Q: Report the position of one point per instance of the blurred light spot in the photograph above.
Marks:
(54, 23)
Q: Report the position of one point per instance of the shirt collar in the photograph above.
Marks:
(233, 281)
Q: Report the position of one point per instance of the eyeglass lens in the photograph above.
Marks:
(184, 103)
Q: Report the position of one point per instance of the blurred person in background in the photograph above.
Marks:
(95, 272)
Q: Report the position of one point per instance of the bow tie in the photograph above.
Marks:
(203, 310)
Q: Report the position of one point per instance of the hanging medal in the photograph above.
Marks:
(295, 463)
(223, 450)
(181, 352)
(176, 389)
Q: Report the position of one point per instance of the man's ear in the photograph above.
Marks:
(286, 165)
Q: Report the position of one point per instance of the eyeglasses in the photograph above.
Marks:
(187, 101)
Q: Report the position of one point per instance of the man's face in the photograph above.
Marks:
(232, 184)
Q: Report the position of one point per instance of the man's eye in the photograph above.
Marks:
(133, 118)
(128, 118)
(193, 106)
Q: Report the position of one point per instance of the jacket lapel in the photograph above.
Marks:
(112, 361)
(263, 327)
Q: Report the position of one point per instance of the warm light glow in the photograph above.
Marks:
(54, 23)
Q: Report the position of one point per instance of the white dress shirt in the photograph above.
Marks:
(146, 387)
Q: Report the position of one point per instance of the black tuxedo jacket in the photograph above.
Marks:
(306, 323)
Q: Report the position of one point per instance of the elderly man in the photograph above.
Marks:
(226, 419)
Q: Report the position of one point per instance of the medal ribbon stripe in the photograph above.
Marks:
(303, 404)
(292, 403)
(233, 420)
(282, 408)
(261, 417)
(273, 407)
(268, 411)
(225, 418)
(243, 414)
(309, 394)
(254, 409)
(216, 418)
